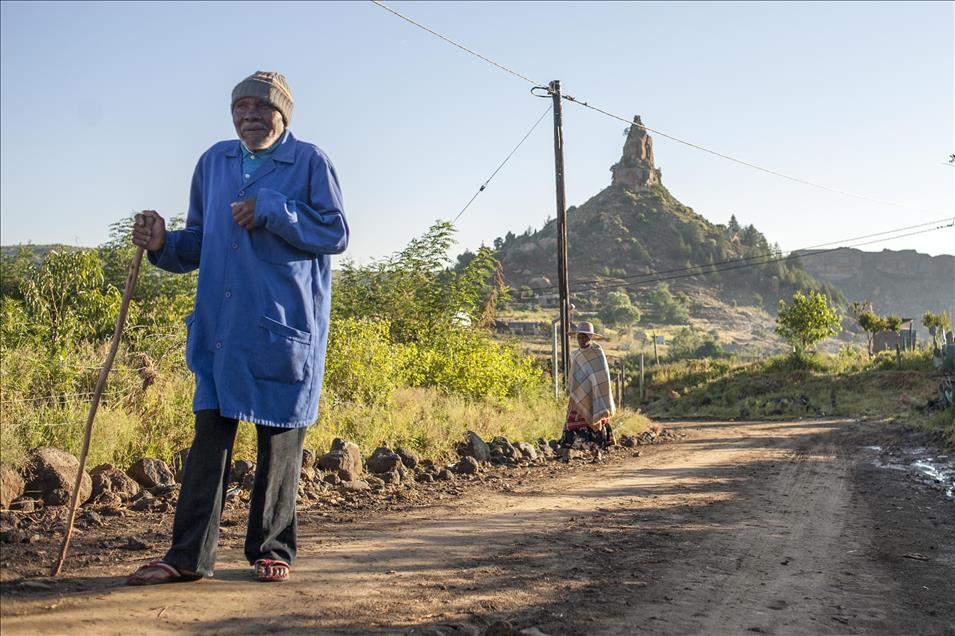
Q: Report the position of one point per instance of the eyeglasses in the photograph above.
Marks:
(247, 108)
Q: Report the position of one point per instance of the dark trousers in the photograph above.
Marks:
(272, 528)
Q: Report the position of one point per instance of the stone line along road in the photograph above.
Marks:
(737, 528)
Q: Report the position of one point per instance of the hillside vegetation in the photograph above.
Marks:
(635, 232)
(848, 384)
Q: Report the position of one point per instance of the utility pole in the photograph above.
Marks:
(562, 277)
(553, 357)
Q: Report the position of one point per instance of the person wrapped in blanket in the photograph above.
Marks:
(590, 405)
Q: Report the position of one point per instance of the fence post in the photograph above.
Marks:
(643, 394)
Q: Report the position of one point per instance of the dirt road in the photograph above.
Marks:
(771, 528)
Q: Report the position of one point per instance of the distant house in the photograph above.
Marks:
(517, 326)
(904, 339)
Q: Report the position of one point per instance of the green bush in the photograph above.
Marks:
(363, 365)
(467, 362)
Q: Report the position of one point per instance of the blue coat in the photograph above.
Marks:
(256, 339)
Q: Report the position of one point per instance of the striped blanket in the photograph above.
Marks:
(589, 384)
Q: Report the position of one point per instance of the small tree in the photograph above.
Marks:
(893, 324)
(871, 323)
(666, 307)
(937, 325)
(807, 321)
(619, 311)
(67, 298)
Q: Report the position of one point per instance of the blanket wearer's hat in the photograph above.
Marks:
(584, 327)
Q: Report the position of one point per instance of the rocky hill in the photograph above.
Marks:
(904, 283)
(635, 234)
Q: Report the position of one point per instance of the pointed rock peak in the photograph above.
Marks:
(635, 168)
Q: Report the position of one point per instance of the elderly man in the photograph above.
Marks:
(265, 213)
(591, 399)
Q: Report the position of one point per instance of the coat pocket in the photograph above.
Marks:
(282, 352)
(190, 321)
(273, 249)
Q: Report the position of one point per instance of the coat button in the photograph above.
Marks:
(228, 294)
(218, 345)
(235, 246)
(241, 193)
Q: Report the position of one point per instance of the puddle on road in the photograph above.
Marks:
(937, 471)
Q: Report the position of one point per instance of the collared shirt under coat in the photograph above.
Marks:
(256, 339)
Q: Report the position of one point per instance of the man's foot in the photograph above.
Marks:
(271, 570)
(156, 572)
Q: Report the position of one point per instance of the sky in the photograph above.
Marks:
(106, 107)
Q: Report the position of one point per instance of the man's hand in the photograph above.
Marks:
(149, 230)
(243, 213)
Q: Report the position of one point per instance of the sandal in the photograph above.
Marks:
(156, 572)
(271, 570)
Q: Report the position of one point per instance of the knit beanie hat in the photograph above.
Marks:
(271, 88)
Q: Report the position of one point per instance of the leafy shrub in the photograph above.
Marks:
(362, 364)
(807, 321)
(618, 310)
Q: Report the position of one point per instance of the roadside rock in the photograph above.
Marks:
(527, 450)
(356, 485)
(11, 485)
(475, 447)
(241, 468)
(500, 628)
(144, 501)
(50, 474)
(383, 460)
(107, 477)
(544, 448)
(567, 454)
(424, 478)
(150, 472)
(409, 458)
(344, 457)
(308, 458)
(444, 475)
(108, 499)
(393, 477)
(248, 480)
(467, 466)
(505, 448)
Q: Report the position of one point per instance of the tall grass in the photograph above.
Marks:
(45, 404)
(847, 384)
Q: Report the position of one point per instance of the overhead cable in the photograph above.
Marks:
(780, 258)
(743, 162)
(841, 243)
(656, 277)
(511, 154)
(453, 43)
(699, 147)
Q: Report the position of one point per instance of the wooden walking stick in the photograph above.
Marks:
(97, 393)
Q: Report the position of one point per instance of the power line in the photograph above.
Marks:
(656, 277)
(511, 154)
(773, 260)
(585, 104)
(743, 162)
(453, 43)
(841, 243)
